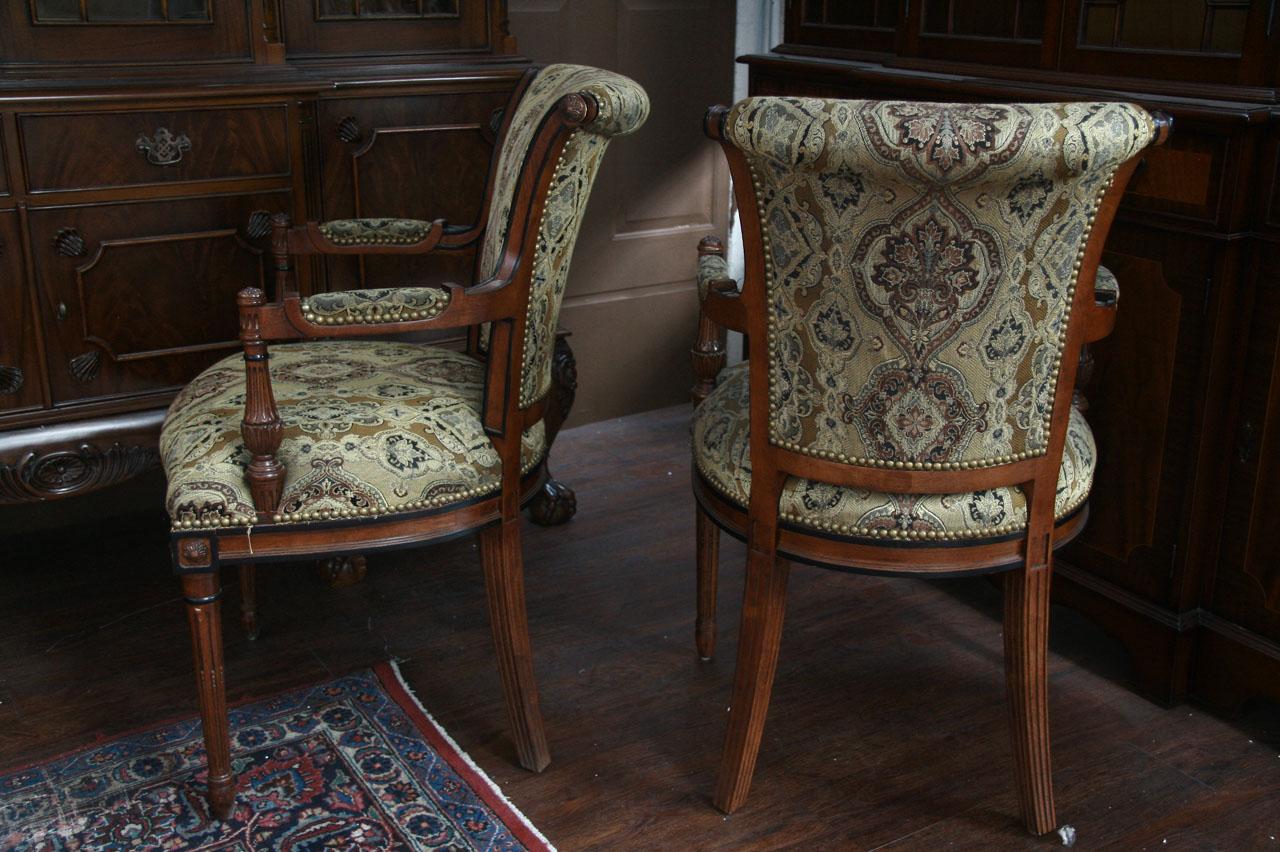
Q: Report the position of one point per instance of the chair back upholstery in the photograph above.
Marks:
(919, 266)
(622, 107)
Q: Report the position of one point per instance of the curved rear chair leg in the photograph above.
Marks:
(248, 574)
(763, 606)
(500, 552)
(203, 594)
(708, 557)
(1026, 646)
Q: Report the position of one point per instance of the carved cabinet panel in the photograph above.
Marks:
(20, 379)
(140, 296)
(1246, 588)
(95, 150)
(1142, 408)
(375, 148)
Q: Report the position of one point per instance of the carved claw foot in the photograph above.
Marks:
(342, 571)
(555, 504)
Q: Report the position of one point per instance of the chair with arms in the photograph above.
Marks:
(919, 281)
(340, 445)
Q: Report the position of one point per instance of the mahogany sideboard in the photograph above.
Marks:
(1181, 556)
(144, 145)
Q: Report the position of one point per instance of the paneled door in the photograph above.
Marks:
(632, 302)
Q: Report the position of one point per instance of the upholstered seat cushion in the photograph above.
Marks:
(370, 427)
(720, 450)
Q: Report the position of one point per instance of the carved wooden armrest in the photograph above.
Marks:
(721, 309)
(374, 236)
(1100, 317)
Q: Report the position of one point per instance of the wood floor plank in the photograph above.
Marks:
(887, 727)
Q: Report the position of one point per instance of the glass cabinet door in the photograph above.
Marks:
(124, 32)
(387, 27)
(1209, 41)
(857, 25)
(994, 32)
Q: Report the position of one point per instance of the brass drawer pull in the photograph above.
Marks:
(164, 148)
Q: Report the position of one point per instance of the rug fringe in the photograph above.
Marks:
(480, 773)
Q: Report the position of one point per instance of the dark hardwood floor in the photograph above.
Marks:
(887, 728)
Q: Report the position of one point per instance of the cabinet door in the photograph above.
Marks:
(995, 32)
(140, 296)
(1246, 586)
(857, 25)
(387, 27)
(20, 378)
(124, 32)
(421, 157)
(1203, 41)
(1144, 409)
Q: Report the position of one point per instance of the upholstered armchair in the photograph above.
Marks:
(340, 440)
(920, 279)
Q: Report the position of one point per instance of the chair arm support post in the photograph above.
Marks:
(261, 427)
(708, 351)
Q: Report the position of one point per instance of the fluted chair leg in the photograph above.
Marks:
(1026, 639)
(204, 613)
(763, 606)
(500, 551)
(708, 545)
(248, 574)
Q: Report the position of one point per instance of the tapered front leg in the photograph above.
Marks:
(708, 558)
(500, 551)
(1026, 639)
(249, 599)
(763, 605)
(204, 613)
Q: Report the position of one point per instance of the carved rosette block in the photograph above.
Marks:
(61, 473)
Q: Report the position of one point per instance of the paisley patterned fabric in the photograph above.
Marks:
(710, 268)
(1106, 286)
(623, 107)
(370, 427)
(394, 304)
(921, 260)
(722, 455)
(374, 232)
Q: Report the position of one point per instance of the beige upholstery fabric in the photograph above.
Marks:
(623, 107)
(370, 428)
(710, 268)
(375, 232)
(392, 304)
(1106, 286)
(721, 454)
(922, 259)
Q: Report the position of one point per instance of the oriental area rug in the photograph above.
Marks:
(354, 763)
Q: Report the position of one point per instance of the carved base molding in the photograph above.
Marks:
(61, 473)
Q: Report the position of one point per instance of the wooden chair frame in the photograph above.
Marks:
(1027, 558)
(500, 301)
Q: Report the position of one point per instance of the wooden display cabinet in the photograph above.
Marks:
(1179, 556)
(144, 145)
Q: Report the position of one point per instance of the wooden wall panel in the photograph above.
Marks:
(631, 303)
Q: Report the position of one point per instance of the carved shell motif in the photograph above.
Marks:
(349, 129)
(69, 243)
(259, 225)
(11, 379)
(84, 367)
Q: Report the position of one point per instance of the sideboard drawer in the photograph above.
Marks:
(97, 150)
(139, 297)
